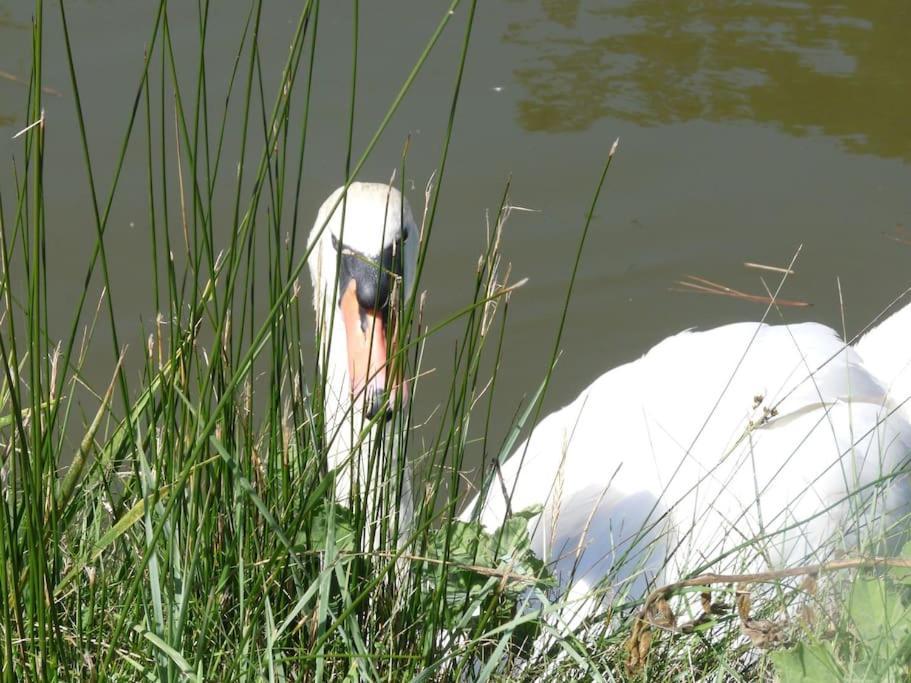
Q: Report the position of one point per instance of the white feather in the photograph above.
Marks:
(886, 353)
(746, 437)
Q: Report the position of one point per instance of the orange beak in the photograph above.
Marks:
(368, 359)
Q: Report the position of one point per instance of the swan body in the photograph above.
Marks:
(736, 448)
(739, 447)
(886, 352)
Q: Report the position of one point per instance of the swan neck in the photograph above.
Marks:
(374, 472)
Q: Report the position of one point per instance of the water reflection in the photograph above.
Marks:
(839, 69)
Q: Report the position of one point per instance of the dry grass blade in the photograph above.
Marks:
(68, 485)
(39, 122)
(761, 632)
(773, 269)
(700, 285)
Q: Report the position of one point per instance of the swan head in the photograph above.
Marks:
(362, 267)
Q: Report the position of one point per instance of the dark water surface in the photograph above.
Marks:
(747, 130)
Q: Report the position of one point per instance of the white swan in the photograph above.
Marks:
(769, 441)
(358, 268)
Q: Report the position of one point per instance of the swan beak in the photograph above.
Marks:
(367, 354)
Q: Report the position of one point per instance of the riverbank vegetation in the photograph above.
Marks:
(177, 521)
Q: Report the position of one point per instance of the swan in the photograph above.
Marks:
(739, 448)
(744, 445)
(362, 256)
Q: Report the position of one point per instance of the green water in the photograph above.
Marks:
(747, 130)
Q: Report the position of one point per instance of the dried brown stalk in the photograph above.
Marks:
(657, 612)
(700, 285)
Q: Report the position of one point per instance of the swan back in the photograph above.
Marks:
(745, 438)
(886, 353)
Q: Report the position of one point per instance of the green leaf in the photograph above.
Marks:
(530, 512)
(874, 610)
(902, 574)
(806, 664)
(172, 654)
(512, 538)
(316, 535)
(881, 620)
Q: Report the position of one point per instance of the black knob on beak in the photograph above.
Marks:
(373, 403)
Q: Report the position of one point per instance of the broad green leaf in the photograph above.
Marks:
(872, 609)
(902, 574)
(806, 664)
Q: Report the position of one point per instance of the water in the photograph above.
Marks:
(747, 130)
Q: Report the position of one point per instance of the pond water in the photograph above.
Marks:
(747, 130)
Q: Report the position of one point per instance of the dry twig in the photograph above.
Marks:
(700, 285)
